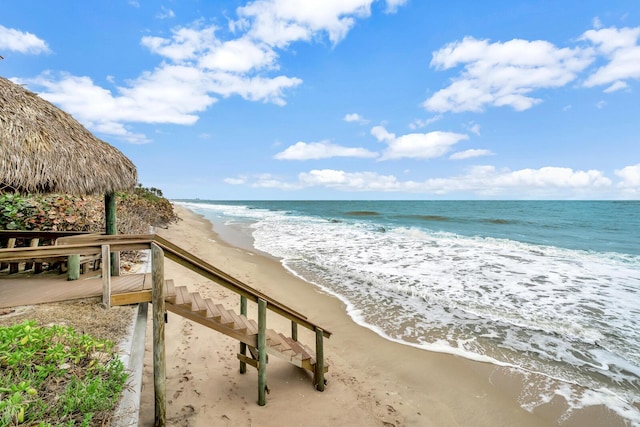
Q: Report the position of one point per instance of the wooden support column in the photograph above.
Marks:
(13, 266)
(111, 228)
(319, 368)
(73, 267)
(243, 346)
(159, 357)
(33, 244)
(262, 352)
(294, 331)
(106, 277)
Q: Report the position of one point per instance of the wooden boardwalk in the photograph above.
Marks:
(29, 289)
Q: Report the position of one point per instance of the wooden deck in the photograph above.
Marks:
(18, 290)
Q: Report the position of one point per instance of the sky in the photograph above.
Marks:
(347, 99)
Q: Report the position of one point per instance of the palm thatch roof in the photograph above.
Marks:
(45, 150)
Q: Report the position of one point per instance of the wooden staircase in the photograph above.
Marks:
(254, 337)
(206, 312)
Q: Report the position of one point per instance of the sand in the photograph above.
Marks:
(371, 381)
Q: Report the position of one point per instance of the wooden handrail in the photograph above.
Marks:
(31, 234)
(90, 244)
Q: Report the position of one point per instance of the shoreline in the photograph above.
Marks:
(371, 381)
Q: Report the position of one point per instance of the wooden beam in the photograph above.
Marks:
(106, 277)
(262, 352)
(33, 244)
(111, 228)
(11, 243)
(248, 360)
(131, 297)
(319, 368)
(243, 346)
(159, 356)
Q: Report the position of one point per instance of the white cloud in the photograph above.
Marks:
(269, 181)
(321, 150)
(601, 104)
(355, 117)
(22, 42)
(468, 154)
(240, 55)
(198, 67)
(281, 22)
(419, 123)
(555, 182)
(236, 181)
(473, 128)
(597, 23)
(165, 13)
(358, 181)
(616, 86)
(393, 5)
(630, 176)
(620, 47)
(503, 73)
(416, 145)
(186, 43)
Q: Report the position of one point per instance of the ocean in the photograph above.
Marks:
(544, 287)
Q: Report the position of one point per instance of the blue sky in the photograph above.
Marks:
(347, 99)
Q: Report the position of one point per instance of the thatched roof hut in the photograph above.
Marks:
(45, 150)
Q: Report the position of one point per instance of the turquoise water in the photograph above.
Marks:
(550, 287)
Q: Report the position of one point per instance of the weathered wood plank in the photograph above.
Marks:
(131, 297)
(198, 305)
(32, 244)
(159, 355)
(243, 346)
(319, 366)
(262, 352)
(106, 277)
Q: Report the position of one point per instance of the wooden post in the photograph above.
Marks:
(319, 368)
(11, 242)
(262, 351)
(159, 361)
(106, 277)
(73, 267)
(294, 331)
(111, 228)
(243, 346)
(13, 266)
(33, 244)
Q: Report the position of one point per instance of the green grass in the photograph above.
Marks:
(54, 376)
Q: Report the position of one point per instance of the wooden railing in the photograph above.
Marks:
(20, 238)
(160, 248)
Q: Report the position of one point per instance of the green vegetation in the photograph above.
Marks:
(54, 376)
(137, 210)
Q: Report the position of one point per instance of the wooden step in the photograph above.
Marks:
(198, 305)
(250, 325)
(213, 312)
(227, 317)
(239, 324)
(220, 313)
(277, 342)
(169, 290)
(183, 297)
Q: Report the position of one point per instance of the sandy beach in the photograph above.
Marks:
(371, 381)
